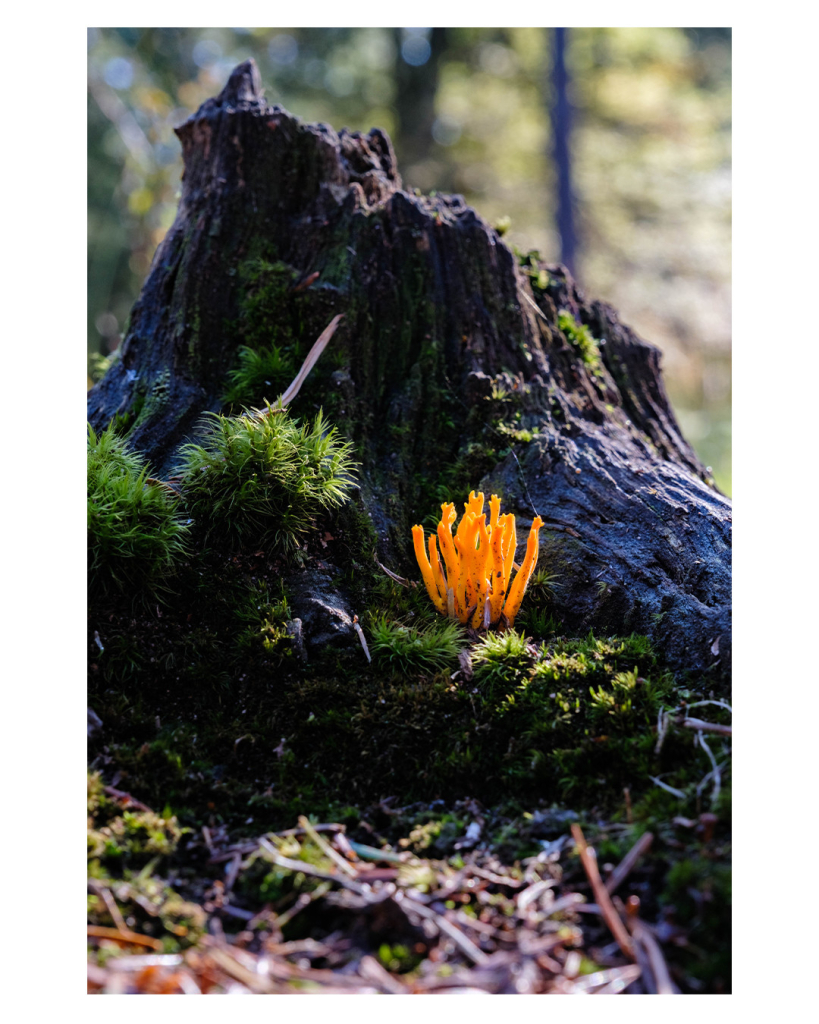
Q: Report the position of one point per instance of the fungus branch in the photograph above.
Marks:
(471, 578)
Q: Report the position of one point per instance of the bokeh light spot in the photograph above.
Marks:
(283, 49)
(118, 73)
(415, 48)
(446, 131)
(206, 52)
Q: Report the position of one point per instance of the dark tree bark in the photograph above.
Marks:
(450, 352)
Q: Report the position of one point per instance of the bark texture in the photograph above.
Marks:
(458, 364)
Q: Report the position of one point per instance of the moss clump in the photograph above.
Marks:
(580, 338)
(262, 478)
(409, 648)
(264, 370)
(136, 535)
(266, 618)
(132, 837)
(265, 314)
(500, 659)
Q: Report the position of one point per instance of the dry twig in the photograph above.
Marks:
(624, 868)
(610, 915)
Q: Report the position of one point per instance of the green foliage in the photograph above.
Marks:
(98, 365)
(134, 837)
(266, 619)
(135, 533)
(262, 478)
(699, 891)
(428, 648)
(268, 362)
(500, 658)
(538, 622)
(580, 338)
(260, 371)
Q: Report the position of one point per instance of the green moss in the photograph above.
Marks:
(136, 533)
(267, 370)
(127, 837)
(262, 479)
(412, 649)
(697, 895)
(152, 398)
(580, 338)
(500, 659)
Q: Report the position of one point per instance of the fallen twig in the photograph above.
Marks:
(534, 306)
(325, 847)
(714, 770)
(533, 892)
(361, 637)
(643, 935)
(309, 362)
(308, 869)
(393, 576)
(669, 789)
(465, 944)
(610, 915)
(126, 937)
(701, 726)
(609, 982)
(125, 800)
(625, 866)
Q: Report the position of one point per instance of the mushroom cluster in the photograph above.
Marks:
(473, 583)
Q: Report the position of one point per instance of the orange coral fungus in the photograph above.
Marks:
(471, 582)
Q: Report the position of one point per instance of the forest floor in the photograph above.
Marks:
(517, 812)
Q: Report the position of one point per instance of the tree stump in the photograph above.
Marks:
(458, 364)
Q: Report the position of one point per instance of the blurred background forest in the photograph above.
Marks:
(477, 112)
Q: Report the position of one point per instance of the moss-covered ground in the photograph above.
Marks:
(211, 719)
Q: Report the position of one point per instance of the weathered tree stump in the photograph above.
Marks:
(458, 364)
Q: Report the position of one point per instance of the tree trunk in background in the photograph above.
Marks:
(416, 87)
(561, 114)
(450, 352)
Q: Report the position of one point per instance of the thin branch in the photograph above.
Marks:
(466, 945)
(610, 915)
(311, 360)
(715, 768)
(642, 934)
(669, 789)
(308, 869)
(393, 576)
(626, 865)
(128, 937)
(701, 726)
(325, 848)
(361, 637)
(663, 719)
(534, 306)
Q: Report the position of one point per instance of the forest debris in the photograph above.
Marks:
(361, 637)
(669, 789)
(325, 848)
(625, 866)
(123, 937)
(648, 952)
(393, 576)
(413, 905)
(308, 869)
(533, 892)
(125, 800)
(311, 360)
(477, 927)
(697, 723)
(610, 915)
